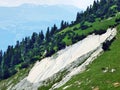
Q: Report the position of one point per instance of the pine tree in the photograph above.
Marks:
(47, 37)
(0, 57)
(53, 29)
(42, 35)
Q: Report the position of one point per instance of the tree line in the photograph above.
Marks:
(39, 45)
(29, 50)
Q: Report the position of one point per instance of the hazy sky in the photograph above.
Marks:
(78, 3)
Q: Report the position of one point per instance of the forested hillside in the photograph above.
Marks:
(96, 19)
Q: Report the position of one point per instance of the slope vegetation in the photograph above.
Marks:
(102, 74)
(38, 46)
(69, 61)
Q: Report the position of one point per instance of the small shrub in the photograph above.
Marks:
(107, 44)
(83, 27)
(75, 28)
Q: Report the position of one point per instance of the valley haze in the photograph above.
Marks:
(18, 22)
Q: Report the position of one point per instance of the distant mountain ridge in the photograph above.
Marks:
(30, 10)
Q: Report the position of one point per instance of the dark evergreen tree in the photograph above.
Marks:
(47, 38)
(62, 25)
(42, 35)
(53, 29)
(40, 38)
(34, 37)
(17, 44)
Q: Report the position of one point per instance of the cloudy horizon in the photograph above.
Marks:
(77, 3)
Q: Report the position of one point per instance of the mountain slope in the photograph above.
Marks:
(65, 61)
(102, 74)
(101, 25)
(57, 39)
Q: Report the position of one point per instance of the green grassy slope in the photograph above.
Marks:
(4, 84)
(97, 25)
(94, 78)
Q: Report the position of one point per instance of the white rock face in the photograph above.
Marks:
(87, 49)
(49, 66)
